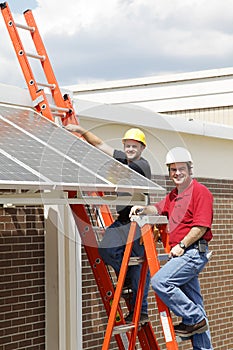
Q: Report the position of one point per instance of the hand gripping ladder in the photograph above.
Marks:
(62, 106)
(151, 260)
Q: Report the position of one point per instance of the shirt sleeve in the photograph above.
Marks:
(203, 207)
(162, 207)
(120, 156)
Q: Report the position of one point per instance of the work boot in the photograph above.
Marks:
(184, 330)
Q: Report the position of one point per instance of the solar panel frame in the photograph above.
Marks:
(41, 146)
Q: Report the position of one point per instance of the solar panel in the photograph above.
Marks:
(13, 174)
(61, 158)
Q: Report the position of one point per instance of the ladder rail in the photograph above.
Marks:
(138, 304)
(40, 48)
(117, 295)
(36, 94)
(61, 101)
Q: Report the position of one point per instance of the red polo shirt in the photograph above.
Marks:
(192, 207)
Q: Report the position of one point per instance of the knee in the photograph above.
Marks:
(104, 253)
(158, 284)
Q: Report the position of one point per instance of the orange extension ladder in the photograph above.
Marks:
(62, 107)
(62, 104)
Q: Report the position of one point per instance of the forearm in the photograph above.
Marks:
(97, 142)
(89, 137)
(194, 235)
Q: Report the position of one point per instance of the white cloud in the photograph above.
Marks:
(119, 39)
(59, 17)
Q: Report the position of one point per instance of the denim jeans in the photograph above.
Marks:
(112, 248)
(177, 285)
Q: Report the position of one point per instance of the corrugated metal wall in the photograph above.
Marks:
(220, 115)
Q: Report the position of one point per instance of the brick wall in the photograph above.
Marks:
(22, 298)
(216, 280)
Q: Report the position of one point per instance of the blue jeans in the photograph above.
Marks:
(112, 248)
(177, 285)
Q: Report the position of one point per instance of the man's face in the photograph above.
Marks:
(133, 149)
(180, 174)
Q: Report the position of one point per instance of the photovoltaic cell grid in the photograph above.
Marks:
(11, 171)
(41, 151)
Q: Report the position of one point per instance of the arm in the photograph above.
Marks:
(91, 138)
(194, 235)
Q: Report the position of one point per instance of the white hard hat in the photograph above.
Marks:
(178, 155)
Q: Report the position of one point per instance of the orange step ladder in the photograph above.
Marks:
(151, 260)
(63, 108)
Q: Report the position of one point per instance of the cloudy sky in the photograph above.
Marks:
(89, 40)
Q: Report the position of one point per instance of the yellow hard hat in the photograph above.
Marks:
(135, 134)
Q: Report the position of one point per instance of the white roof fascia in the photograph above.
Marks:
(190, 102)
(15, 96)
(202, 89)
(158, 79)
(134, 115)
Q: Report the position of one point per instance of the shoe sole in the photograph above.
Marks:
(198, 331)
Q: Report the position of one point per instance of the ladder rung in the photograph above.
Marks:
(149, 219)
(98, 228)
(136, 260)
(22, 26)
(33, 55)
(38, 100)
(60, 115)
(56, 108)
(51, 86)
(122, 328)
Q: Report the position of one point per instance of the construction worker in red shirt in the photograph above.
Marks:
(189, 209)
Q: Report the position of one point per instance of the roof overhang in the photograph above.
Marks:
(128, 114)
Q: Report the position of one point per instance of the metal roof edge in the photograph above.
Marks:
(129, 114)
(152, 80)
(15, 95)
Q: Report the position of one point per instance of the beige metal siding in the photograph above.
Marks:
(219, 115)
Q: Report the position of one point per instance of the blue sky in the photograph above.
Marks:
(90, 41)
(19, 6)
